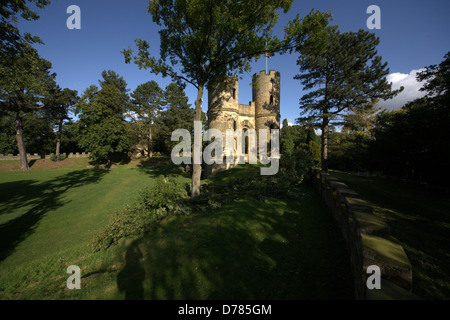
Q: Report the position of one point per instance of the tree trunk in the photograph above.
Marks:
(20, 144)
(58, 140)
(324, 154)
(150, 141)
(197, 168)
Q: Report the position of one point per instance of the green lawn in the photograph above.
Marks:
(277, 249)
(420, 220)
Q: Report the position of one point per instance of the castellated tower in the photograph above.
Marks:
(225, 111)
(266, 94)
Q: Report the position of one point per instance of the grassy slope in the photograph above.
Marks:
(247, 249)
(420, 220)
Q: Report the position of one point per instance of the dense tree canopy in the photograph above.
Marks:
(102, 130)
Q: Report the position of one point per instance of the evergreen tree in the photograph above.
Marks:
(101, 127)
(61, 102)
(148, 101)
(177, 115)
(345, 75)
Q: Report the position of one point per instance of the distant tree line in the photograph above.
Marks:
(110, 123)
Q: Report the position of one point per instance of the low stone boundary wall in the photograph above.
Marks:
(36, 156)
(366, 235)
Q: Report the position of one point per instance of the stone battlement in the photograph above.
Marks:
(36, 156)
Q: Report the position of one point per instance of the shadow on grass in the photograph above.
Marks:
(246, 250)
(158, 166)
(41, 198)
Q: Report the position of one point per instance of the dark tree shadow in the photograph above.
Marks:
(156, 167)
(41, 198)
(210, 259)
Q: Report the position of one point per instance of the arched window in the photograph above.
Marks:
(271, 99)
(246, 145)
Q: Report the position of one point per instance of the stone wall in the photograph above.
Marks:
(36, 156)
(367, 236)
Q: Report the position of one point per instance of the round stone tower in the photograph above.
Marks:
(266, 95)
(223, 106)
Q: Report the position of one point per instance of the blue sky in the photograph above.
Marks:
(413, 34)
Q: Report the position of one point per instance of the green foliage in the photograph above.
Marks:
(167, 197)
(294, 138)
(208, 46)
(293, 170)
(38, 133)
(101, 128)
(348, 151)
(148, 100)
(54, 157)
(10, 38)
(110, 77)
(177, 115)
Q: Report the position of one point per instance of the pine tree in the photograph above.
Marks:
(345, 75)
(148, 101)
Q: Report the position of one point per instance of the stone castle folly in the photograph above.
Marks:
(225, 111)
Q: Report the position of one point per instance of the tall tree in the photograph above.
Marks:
(148, 101)
(22, 70)
(60, 102)
(25, 80)
(345, 75)
(101, 127)
(210, 41)
(178, 114)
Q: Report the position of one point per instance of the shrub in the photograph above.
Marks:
(61, 157)
(165, 198)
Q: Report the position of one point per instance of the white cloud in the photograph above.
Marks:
(409, 93)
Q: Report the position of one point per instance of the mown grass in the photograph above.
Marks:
(420, 220)
(248, 249)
